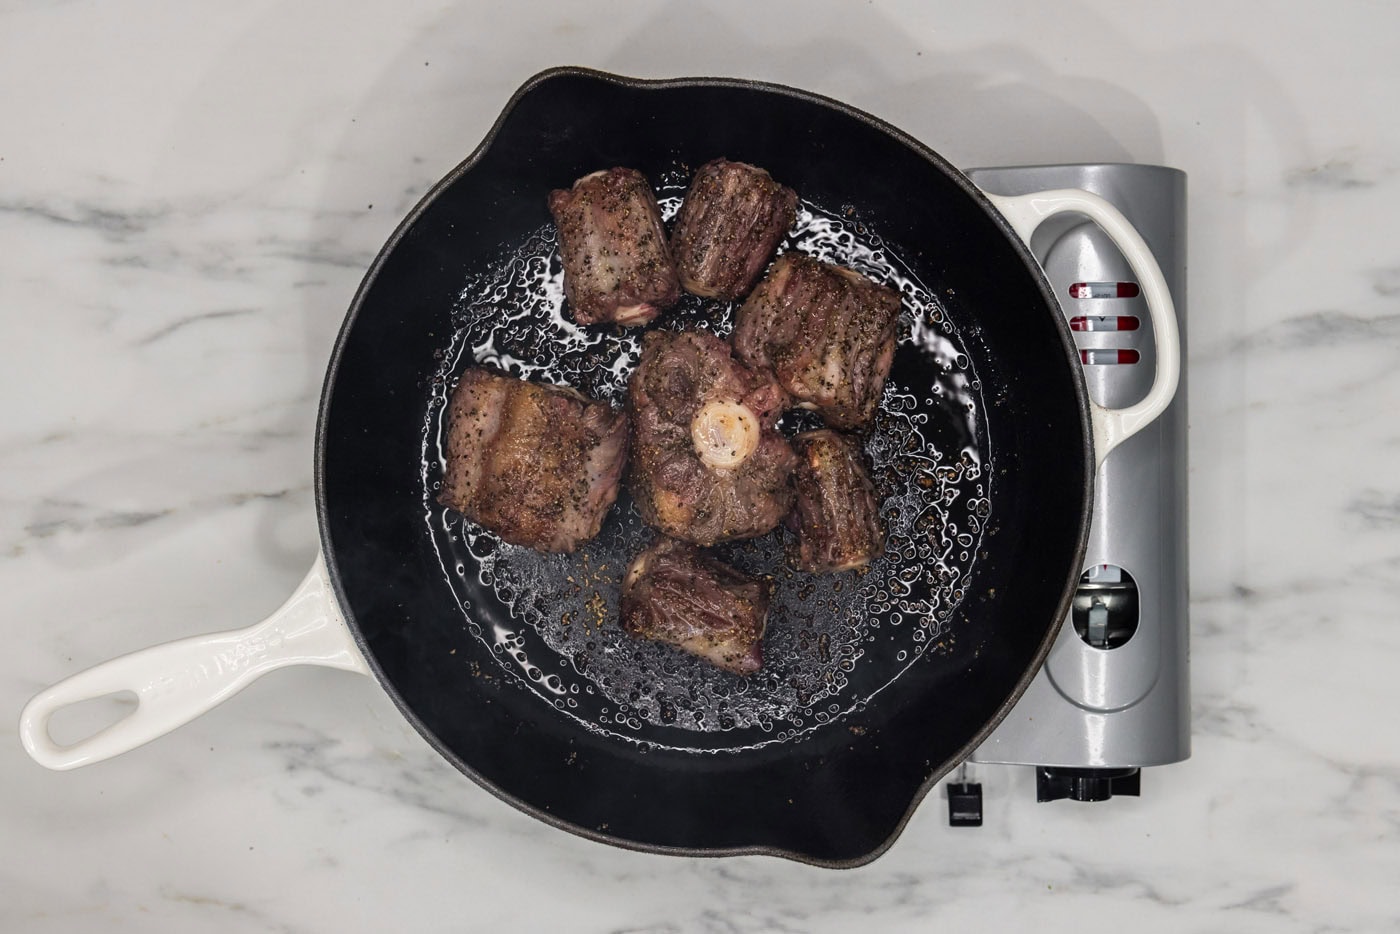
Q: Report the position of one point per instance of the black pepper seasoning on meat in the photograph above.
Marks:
(707, 462)
(836, 514)
(617, 263)
(733, 218)
(827, 332)
(676, 594)
(538, 465)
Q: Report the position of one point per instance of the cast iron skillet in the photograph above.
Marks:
(834, 793)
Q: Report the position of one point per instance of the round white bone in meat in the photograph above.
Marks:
(724, 433)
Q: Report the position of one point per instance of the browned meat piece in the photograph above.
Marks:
(538, 465)
(674, 593)
(617, 264)
(827, 332)
(707, 464)
(837, 517)
(733, 218)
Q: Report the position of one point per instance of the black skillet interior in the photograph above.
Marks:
(836, 795)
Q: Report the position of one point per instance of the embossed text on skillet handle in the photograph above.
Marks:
(178, 681)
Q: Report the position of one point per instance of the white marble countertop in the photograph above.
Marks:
(189, 195)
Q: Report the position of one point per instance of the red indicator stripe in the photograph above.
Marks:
(1104, 323)
(1108, 356)
(1104, 290)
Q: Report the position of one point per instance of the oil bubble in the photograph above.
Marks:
(925, 448)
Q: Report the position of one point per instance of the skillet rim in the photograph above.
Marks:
(1020, 247)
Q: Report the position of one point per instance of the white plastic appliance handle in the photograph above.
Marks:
(178, 681)
(1112, 426)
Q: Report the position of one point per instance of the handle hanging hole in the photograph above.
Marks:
(84, 719)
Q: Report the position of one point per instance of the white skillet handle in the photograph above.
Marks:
(178, 681)
(1113, 426)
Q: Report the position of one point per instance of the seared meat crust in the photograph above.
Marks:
(826, 331)
(836, 517)
(733, 218)
(676, 594)
(538, 465)
(617, 264)
(707, 463)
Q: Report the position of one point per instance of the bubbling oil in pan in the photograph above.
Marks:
(833, 641)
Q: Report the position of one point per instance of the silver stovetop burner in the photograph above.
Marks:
(1113, 695)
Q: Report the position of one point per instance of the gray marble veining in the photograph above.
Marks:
(188, 200)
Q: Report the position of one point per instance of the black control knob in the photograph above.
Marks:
(1053, 783)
